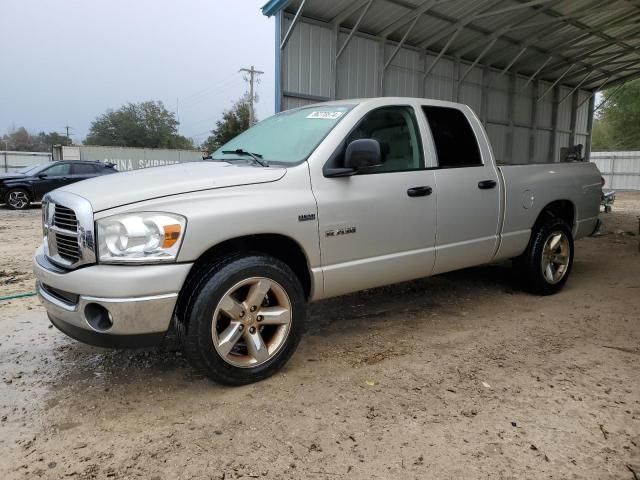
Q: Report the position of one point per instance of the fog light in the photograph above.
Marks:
(98, 317)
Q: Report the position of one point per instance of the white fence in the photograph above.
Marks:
(13, 161)
(621, 170)
(127, 158)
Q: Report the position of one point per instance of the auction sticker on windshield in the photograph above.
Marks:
(325, 115)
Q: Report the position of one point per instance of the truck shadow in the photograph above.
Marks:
(439, 294)
(82, 366)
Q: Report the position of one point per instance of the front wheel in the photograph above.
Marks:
(244, 319)
(17, 199)
(546, 265)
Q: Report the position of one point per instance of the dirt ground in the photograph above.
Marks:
(457, 376)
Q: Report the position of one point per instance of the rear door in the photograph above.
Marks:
(82, 171)
(468, 187)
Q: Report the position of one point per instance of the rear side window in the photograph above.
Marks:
(456, 144)
(82, 169)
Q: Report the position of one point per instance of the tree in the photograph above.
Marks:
(146, 124)
(23, 141)
(618, 126)
(234, 121)
(601, 136)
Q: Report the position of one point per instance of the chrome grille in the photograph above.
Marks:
(68, 247)
(65, 218)
(68, 229)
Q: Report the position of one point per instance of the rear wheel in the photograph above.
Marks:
(244, 319)
(546, 265)
(17, 199)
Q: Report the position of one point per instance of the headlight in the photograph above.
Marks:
(141, 237)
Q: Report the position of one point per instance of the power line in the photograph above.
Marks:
(196, 101)
(203, 92)
(254, 77)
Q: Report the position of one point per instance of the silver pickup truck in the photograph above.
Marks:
(308, 204)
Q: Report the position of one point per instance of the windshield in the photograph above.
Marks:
(288, 137)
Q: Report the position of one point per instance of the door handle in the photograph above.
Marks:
(487, 184)
(419, 191)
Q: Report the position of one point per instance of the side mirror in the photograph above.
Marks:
(363, 153)
(42, 176)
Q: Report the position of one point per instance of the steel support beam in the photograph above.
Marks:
(535, 74)
(442, 52)
(511, 108)
(354, 29)
(574, 116)
(408, 17)
(401, 43)
(515, 59)
(555, 83)
(586, 77)
(334, 61)
(593, 93)
(478, 58)
(457, 26)
(293, 24)
(533, 134)
(484, 96)
(554, 126)
(347, 12)
(381, 54)
(587, 147)
(618, 70)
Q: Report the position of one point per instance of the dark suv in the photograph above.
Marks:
(30, 184)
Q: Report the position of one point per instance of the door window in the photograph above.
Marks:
(83, 169)
(456, 144)
(397, 131)
(59, 170)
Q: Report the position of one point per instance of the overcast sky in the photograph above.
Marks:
(64, 62)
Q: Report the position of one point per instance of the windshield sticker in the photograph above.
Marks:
(325, 115)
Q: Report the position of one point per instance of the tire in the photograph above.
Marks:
(228, 340)
(541, 253)
(17, 199)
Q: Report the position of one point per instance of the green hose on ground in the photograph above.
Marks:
(18, 295)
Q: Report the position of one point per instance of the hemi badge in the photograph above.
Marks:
(306, 217)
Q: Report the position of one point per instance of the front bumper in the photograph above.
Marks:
(110, 305)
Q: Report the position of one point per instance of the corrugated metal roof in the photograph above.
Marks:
(589, 41)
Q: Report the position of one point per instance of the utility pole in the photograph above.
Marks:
(67, 127)
(253, 78)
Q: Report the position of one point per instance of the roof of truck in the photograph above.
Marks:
(390, 101)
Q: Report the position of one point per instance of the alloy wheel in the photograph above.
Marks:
(18, 199)
(555, 257)
(251, 322)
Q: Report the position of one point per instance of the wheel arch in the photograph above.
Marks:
(22, 186)
(282, 247)
(563, 209)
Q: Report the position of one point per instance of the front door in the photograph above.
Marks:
(378, 227)
(53, 177)
(468, 192)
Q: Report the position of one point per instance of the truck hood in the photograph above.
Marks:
(123, 188)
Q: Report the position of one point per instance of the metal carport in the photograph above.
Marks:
(529, 68)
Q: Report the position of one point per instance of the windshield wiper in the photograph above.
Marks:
(255, 156)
